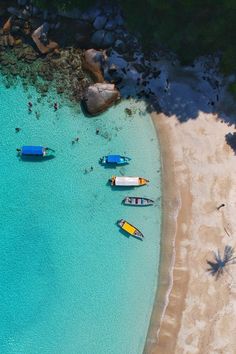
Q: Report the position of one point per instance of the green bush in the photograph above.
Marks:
(232, 89)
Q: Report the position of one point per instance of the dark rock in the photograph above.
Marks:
(118, 20)
(13, 11)
(60, 89)
(99, 22)
(108, 40)
(138, 67)
(116, 75)
(120, 46)
(92, 13)
(110, 25)
(98, 38)
(113, 68)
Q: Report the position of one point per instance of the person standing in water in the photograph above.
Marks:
(30, 105)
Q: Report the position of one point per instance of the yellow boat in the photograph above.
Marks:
(130, 229)
(125, 181)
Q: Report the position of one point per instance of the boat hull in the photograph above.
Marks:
(128, 181)
(130, 229)
(138, 201)
(34, 152)
(114, 160)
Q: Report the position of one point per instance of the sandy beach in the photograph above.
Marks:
(193, 312)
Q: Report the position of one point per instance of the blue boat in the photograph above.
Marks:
(114, 160)
(37, 151)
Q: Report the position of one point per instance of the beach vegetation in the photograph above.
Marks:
(189, 28)
(232, 88)
(218, 265)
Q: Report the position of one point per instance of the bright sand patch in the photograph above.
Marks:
(197, 313)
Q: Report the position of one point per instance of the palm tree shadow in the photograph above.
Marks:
(217, 266)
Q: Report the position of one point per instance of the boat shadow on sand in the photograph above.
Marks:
(36, 158)
(129, 236)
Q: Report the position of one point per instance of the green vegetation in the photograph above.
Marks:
(187, 27)
(232, 89)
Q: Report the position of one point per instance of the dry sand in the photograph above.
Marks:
(194, 313)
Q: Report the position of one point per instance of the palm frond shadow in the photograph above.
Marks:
(217, 267)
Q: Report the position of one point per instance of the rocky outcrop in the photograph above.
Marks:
(99, 97)
(44, 45)
(93, 62)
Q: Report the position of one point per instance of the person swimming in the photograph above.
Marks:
(55, 106)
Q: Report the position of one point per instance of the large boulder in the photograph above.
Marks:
(100, 22)
(93, 61)
(102, 39)
(97, 39)
(99, 97)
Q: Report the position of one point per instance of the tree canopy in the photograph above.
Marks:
(187, 27)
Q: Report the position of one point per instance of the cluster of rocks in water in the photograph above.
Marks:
(32, 36)
(91, 56)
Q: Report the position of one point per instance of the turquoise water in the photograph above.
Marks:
(70, 281)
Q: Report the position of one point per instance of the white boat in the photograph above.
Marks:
(125, 181)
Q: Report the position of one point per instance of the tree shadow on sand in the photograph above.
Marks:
(184, 92)
(217, 267)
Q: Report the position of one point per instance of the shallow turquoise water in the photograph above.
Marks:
(70, 281)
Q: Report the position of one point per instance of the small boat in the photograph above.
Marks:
(114, 160)
(37, 151)
(130, 229)
(128, 181)
(139, 201)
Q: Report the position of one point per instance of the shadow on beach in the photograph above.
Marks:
(184, 92)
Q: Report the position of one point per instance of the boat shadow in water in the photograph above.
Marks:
(36, 158)
(129, 236)
(120, 188)
(110, 167)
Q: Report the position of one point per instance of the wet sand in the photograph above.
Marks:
(194, 313)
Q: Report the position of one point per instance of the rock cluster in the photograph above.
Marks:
(111, 54)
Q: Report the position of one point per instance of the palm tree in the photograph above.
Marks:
(217, 266)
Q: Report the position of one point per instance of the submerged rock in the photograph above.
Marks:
(99, 97)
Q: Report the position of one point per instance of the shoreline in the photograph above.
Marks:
(192, 312)
(168, 234)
